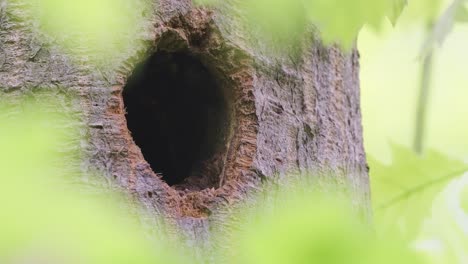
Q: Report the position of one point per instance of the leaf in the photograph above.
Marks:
(396, 10)
(44, 218)
(298, 224)
(98, 30)
(447, 226)
(281, 22)
(206, 2)
(403, 191)
(287, 22)
(462, 14)
(340, 20)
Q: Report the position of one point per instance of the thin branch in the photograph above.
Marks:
(423, 99)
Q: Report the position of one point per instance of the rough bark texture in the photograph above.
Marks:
(283, 115)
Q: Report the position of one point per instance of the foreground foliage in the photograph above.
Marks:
(46, 216)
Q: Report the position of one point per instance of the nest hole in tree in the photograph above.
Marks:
(177, 114)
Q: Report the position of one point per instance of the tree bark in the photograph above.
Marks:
(277, 115)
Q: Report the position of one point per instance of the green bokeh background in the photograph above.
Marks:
(390, 77)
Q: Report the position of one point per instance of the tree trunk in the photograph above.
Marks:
(200, 118)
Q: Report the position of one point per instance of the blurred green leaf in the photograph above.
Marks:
(462, 14)
(300, 225)
(425, 10)
(280, 22)
(206, 2)
(340, 20)
(444, 235)
(44, 218)
(287, 22)
(100, 31)
(396, 10)
(403, 191)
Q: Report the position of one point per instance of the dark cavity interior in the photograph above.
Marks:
(176, 114)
